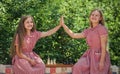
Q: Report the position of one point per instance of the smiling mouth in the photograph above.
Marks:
(30, 26)
(93, 19)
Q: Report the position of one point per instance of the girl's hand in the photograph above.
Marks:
(101, 66)
(61, 21)
(32, 62)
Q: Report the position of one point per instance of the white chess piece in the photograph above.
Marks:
(48, 61)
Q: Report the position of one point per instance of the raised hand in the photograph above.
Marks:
(62, 21)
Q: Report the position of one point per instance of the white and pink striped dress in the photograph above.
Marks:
(22, 66)
(89, 61)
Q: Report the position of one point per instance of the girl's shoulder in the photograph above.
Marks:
(102, 28)
(37, 34)
(86, 31)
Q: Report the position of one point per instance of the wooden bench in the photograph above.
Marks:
(54, 69)
(50, 69)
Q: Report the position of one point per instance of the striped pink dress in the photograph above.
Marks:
(89, 61)
(22, 66)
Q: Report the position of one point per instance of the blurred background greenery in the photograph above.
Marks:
(47, 14)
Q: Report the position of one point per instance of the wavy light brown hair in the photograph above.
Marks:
(101, 15)
(20, 32)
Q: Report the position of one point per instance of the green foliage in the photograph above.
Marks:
(46, 14)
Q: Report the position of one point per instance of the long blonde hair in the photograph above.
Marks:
(101, 15)
(20, 32)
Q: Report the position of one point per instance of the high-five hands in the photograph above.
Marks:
(62, 21)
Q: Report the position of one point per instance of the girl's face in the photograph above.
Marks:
(95, 17)
(28, 23)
